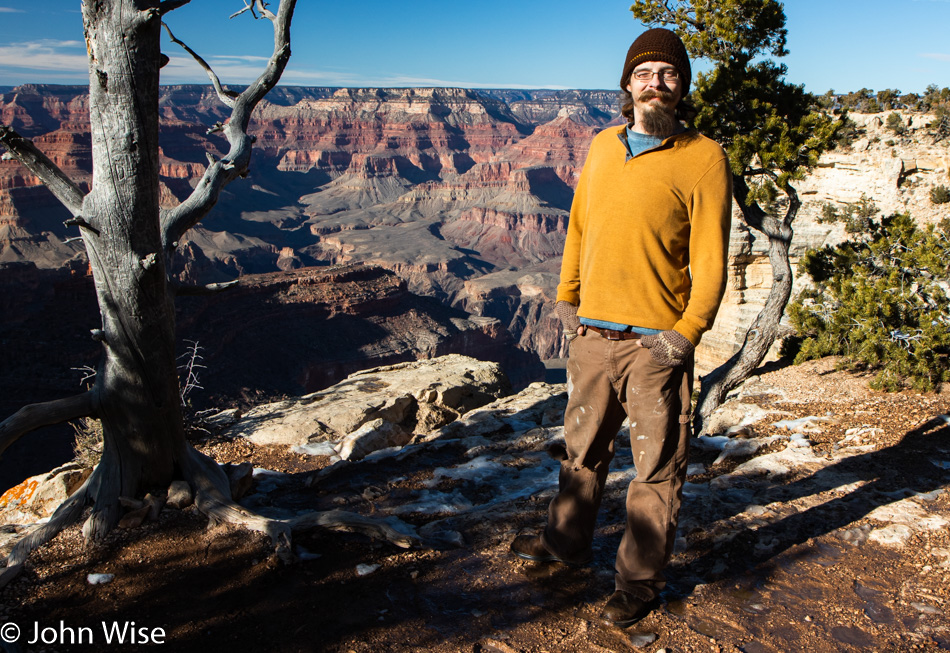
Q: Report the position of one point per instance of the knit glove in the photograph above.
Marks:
(567, 313)
(668, 348)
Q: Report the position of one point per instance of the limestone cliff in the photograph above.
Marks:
(464, 194)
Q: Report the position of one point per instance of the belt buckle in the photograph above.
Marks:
(613, 335)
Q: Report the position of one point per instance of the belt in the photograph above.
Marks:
(611, 334)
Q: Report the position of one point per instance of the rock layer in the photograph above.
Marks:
(464, 194)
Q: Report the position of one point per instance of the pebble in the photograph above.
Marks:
(926, 609)
(639, 640)
(366, 570)
(100, 579)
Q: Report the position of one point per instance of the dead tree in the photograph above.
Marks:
(129, 240)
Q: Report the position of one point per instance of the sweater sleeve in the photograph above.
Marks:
(569, 288)
(710, 211)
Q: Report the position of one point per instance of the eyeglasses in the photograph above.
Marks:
(667, 75)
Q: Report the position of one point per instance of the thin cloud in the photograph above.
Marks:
(939, 56)
(297, 77)
(9, 10)
(245, 69)
(39, 60)
(66, 62)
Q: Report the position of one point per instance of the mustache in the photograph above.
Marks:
(649, 94)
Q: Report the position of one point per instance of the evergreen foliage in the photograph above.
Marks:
(940, 125)
(856, 216)
(867, 101)
(940, 194)
(880, 301)
(895, 123)
(772, 131)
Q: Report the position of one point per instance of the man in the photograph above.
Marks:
(643, 273)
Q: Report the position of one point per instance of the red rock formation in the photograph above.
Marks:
(442, 186)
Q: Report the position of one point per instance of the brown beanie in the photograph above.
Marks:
(657, 44)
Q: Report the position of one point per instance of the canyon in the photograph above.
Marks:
(463, 195)
(382, 226)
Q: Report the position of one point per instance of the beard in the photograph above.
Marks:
(657, 119)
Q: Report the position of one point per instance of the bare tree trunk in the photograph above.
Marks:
(136, 388)
(765, 328)
(128, 240)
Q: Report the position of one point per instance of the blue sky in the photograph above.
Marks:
(839, 44)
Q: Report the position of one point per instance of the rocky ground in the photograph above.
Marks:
(815, 521)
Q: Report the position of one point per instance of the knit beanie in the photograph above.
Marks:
(658, 44)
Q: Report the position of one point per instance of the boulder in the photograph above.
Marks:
(372, 436)
(39, 496)
(418, 396)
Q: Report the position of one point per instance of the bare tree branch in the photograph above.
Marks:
(34, 416)
(81, 223)
(171, 5)
(64, 188)
(247, 7)
(177, 221)
(264, 11)
(225, 95)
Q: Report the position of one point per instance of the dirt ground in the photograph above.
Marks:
(790, 567)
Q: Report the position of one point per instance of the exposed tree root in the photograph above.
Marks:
(105, 500)
(213, 499)
(339, 520)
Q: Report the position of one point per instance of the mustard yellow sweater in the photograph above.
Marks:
(648, 238)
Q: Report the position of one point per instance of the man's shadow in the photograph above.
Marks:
(906, 469)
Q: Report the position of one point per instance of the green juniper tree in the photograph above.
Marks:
(772, 131)
(879, 302)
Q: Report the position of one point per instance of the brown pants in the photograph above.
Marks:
(607, 381)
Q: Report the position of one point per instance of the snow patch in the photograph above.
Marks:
(807, 424)
(316, 449)
(894, 535)
(366, 570)
(909, 513)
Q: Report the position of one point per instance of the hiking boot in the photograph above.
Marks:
(625, 609)
(530, 547)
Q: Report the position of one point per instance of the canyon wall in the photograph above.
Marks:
(463, 194)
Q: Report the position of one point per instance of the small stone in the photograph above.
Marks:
(99, 579)
(495, 646)
(639, 640)
(366, 570)
(179, 495)
(923, 608)
(372, 436)
(304, 554)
